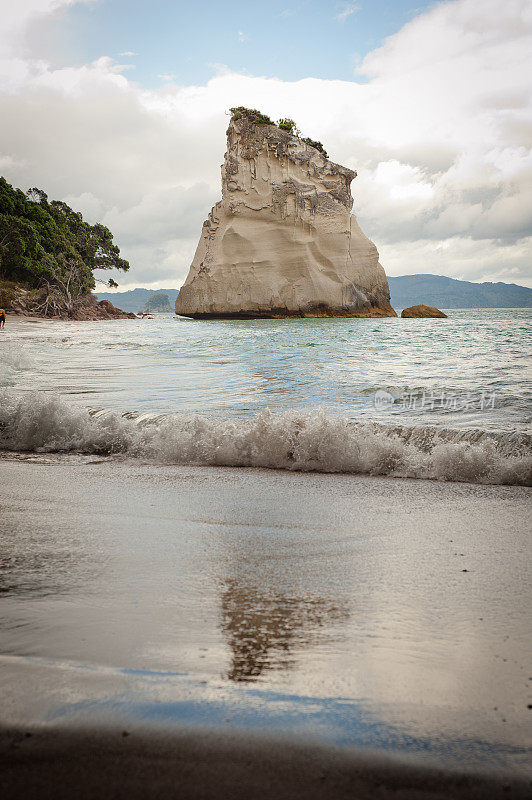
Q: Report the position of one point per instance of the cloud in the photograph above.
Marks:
(128, 53)
(347, 10)
(440, 134)
(242, 37)
(17, 15)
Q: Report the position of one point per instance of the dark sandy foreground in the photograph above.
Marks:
(118, 764)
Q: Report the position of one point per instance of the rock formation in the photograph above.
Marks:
(282, 241)
(421, 311)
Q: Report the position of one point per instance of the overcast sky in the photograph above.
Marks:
(119, 107)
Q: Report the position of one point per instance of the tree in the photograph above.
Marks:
(18, 245)
(64, 289)
(41, 239)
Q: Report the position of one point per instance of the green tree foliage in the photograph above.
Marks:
(287, 124)
(257, 117)
(46, 243)
(316, 145)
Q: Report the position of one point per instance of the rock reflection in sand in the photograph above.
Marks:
(264, 629)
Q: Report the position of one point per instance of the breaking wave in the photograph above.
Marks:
(292, 440)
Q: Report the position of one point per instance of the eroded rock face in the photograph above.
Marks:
(282, 242)
(421, 311)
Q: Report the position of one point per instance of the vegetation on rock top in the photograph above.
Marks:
(317, 146)
(257, 117)
(285, 124)
(288, 125)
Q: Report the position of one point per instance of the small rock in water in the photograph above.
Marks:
(423, 311)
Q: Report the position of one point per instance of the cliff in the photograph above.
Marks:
(282, 242)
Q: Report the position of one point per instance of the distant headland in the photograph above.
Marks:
(443, 292)
(406, 290)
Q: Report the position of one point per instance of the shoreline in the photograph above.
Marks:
(116, 763)
(13, 319)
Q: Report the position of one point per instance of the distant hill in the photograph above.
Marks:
(135, 300)
(406, 290)
(442, 292)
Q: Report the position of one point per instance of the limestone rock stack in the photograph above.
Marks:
(282, 242)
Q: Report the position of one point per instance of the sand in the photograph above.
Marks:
(118, 764)
(260, 633)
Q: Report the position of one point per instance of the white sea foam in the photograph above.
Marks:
(14, 358)
(291, 440)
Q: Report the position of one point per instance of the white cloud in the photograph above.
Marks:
(346, 11)
(461, 257)
(128, 53)
(440, 134)
(17, 15)
(242, 37)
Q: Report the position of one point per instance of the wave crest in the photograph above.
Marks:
(292, 440)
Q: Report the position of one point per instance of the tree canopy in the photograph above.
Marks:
(46, 242)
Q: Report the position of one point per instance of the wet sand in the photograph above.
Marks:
(16, 320)
(281, 634)
(118, 764)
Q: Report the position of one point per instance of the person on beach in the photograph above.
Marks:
(2, 318)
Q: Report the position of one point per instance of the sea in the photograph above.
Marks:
(313, 530)
(443, 399)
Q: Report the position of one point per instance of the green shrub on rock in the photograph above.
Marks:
(316, 145)
(287, 124)
(257, 117)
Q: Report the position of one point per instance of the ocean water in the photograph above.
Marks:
(443, 399)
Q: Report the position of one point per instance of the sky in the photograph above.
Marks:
(119, 108)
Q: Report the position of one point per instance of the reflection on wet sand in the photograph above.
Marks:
(39, 564)
(265, 629)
